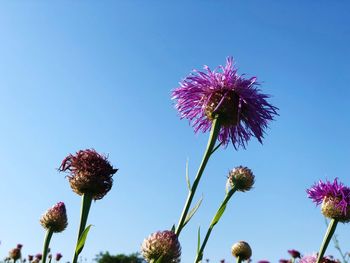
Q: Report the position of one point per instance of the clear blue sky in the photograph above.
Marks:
(88, 74)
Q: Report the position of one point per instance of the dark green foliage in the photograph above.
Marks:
(120, 258)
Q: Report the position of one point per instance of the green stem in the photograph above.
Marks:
(85, 208)
(215, 129)
(48, 236)
(327, 238)
(215, 220)
(239, 260)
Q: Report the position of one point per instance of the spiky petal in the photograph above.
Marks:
(163, 244)
(90, 173)
(242, 109)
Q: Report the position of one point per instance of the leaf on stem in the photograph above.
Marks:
(218, 215)
(193, 211)
(82, 240)
(199, 240)
(187, 177)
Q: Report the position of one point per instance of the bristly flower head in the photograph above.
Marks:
(242, 250)
(284, 261)
(237, 102)
(58, 256)
(30, 258)
(313, 259)
(335, 199)
(294, 253)
(163, 244)
(90, 173)
(15, 254)
(242, 178)
(55, 218)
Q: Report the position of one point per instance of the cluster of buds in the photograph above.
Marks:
(90, 173)
(55, 219)
(163, 244)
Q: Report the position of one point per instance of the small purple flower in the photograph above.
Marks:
(237, 102)
(335, 199)
(284, 261)
(263, 261)
(313, 259)
(39, 256)
(58, 256)
(294, 253)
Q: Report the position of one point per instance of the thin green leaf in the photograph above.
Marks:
(218, 215)
(173, 228)
(82, 240)
(199, 240)
(193, 211)
(187, 177)
(159, 260)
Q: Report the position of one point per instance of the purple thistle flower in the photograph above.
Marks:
(58, 256)
(313, 259)
(242, 110)
(294, 253)
(335, 199)
(284, 261)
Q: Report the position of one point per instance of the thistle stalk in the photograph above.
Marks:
(327, 238)
(47, 240)
(214, 132)
(239, 260)
(214, 221)
(85, 208)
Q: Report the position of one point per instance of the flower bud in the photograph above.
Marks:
(15, 253)
(163, 244)
(241, 178)
(90, 173)
(242, 250)
(55, 218)
(58, 256)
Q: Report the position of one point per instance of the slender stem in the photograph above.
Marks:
(85, 208)
(327, 238)
(239, 260)
(48, 236)
(215, 128)
(215, 220)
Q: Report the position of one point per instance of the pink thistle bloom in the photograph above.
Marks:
(237, 102)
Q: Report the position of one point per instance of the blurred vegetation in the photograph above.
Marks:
(105, 257)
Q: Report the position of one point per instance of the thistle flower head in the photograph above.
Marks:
(313, 259)
(294, 253)
(30, 257)
(55, 218)
(334, 197)
(19, 246)
(58, 256)
(163, 244)
(15, 253)
(39, 256)
(241, 249)
(263, 261)
(242, 178)
(242, 110)
(284, 261)
(90, 173)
